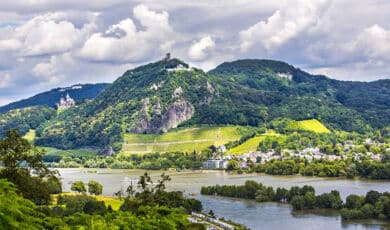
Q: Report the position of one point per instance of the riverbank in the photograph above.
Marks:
(268, 215)
(373, 206)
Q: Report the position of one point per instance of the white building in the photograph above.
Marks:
(66, 102)
(215, 164)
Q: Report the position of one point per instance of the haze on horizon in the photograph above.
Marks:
(52, 43)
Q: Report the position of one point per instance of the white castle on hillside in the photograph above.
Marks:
(66, 102)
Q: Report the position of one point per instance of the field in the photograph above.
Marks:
(114, 202)
(185, 140)
(251, 144)
(71, 152)
(248, 146)
(30, 135)
(313, 125)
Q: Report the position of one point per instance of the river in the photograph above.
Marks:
(252, 214)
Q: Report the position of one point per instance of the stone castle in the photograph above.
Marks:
(66, 102)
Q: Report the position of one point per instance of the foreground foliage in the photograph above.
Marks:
(23, 166)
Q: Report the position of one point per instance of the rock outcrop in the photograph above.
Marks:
(177, 113)
(150, 119)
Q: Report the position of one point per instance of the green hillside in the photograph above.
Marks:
(51, 152)
(313, 125)
(30, 135)
(251, 144)
(158, 97)
(184, 140)
(25, 119)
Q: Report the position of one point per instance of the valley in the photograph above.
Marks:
(249, 119)
(194, 115)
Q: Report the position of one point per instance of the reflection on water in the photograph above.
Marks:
(252, 214)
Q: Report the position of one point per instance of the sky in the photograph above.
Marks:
(55, 43)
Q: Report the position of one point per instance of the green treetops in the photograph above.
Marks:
(24, 167)
(95, 187)
(78, 186)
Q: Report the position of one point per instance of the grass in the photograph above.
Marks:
(184, 139)
(114, 202)
(251, 144)
(71, 152)
(248, 146)
(30, 135)
(313, 125)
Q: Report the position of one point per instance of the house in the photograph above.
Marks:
(178, 67)
(215, 164)
(221, 148)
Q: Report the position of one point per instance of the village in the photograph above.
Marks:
(222, 158)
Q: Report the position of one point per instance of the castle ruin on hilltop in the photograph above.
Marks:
(66, 103)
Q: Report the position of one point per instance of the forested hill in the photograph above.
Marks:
(301, 91)
(165, 94)
(79, 93)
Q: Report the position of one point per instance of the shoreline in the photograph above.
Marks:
(94, 170)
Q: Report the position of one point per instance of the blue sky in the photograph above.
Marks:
(51, 43)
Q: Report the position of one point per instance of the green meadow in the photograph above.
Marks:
(184, 139)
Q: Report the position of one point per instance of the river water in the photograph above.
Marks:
(252, 214)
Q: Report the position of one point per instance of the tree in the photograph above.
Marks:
(298, 202)
(232, 165)
(54, 185)
(354, 201)
(23, 166)
(372, 197)
(78, 186)
(15, 211)
(211, 214)
(95, 187)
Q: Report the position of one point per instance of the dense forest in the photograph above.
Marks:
(25, 119)
(156, 97)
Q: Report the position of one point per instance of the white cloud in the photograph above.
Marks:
(49, 34)
(199, 50)
(5, 80)
(374, 42)
(50, 43)
(283, 25)
(53, 71)
(10, 45)
(122, 42)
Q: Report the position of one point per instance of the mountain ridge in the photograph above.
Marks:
(165, 94)
(51, 97)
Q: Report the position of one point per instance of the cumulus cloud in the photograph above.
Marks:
(123, 42)
(199, 50)
(282, 25)
(374, 42)
(45, 34)
(53, 71)
(51, 43)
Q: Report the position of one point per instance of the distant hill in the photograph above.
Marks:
(160, 96)
(79, 93)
